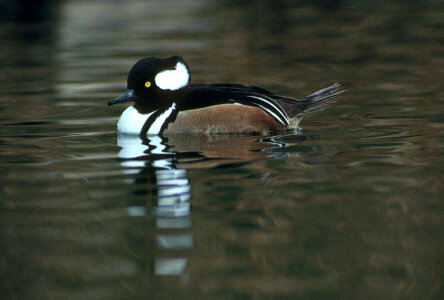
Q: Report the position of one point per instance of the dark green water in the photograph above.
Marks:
(349, 207)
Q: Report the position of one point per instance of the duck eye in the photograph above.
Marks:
(147, 84)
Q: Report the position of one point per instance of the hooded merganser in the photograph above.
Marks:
(165, 102)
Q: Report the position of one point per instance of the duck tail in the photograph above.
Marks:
(320, 100)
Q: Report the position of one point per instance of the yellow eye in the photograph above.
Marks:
(147, 84)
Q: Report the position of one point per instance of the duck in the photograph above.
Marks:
(166, 102)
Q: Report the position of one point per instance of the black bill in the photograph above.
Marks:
(128, 96)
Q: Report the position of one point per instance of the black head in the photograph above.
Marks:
(151, 79)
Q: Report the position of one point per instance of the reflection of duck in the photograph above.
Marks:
(165, 102)
(168, 192)
(195, 151)
(159, 165)
(162, 162)
(170, 183)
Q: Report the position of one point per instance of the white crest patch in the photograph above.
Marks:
(173, 79)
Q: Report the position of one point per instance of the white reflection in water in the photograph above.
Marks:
(172, 207)
(152, 161)
(170, 266)
(175, 241)
(168, 223)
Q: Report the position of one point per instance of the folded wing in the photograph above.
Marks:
(214, 94)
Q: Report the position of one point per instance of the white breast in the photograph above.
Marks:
(131, 121)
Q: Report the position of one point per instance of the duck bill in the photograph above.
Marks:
(127, 97)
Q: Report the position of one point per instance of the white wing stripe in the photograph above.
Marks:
(273, 114)
(283, 116)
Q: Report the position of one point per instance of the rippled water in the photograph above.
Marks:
(347, 207)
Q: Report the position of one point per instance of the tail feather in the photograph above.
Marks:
(320, 99)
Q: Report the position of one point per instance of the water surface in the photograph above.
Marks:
(348, 206)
